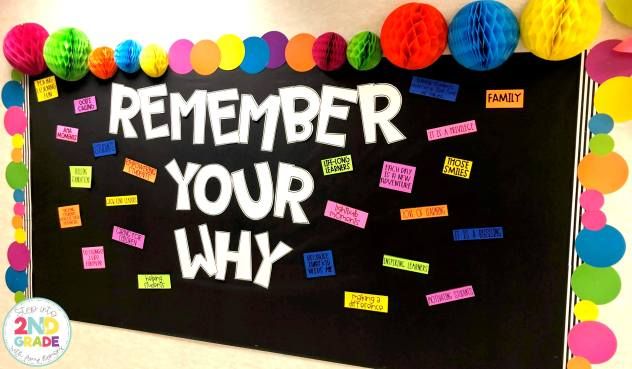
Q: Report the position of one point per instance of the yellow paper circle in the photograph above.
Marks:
(154, 60)
(17, 141)
(232, 50)
(621, 10)
(614, 97)
(586, 310)
(20, 235)
(559, 29)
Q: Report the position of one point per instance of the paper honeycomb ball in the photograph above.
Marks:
(483, 35)
(66, 54)
(154, 60)
(101, 62)
(414, 36)
(621, 10)
(127, 56)
(559, 29)
(23, 48)
(364, 51)
(330, 51)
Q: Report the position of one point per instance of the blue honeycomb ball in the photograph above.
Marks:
(127, 56)
(483, 35)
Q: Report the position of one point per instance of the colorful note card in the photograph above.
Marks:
(104, 148)
(80, 176)
(504, 99)
(365, 301)
(424, 212)
(473, 234)
(93, 257)
(128, 237)
(398, 177)
(346, 214)
(457, 167)
(46, 88)
(339, 164)
(85, 104)
(432, 88)
(69, 216)
(451, 130)
(405, 264)
(121, 200)
(140, 170)
(319, 264)
(154, 281)
(67, 133)
(450, 295)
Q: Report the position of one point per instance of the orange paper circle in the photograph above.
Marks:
(604, 173)
(298, 52)
(16, 155)
(205, 57)
(16, 221)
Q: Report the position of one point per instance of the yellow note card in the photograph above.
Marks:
(46, 88)
(457, 167)
(121, 200)
(154, 281)
(80, 176)
(405, 264)
(365, 301)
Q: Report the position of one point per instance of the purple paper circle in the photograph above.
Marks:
(603, 63)
(276, 42)
(179, 56)
(18, 255)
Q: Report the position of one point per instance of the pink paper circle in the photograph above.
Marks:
(18, 208)
(19, 256)
(592, 340)
(15, 120)
(594, 220)
(179, 56)
(603, 63)
(591, 200)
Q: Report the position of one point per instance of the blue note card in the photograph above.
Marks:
(104, 148)
(319, 264)
(433, 88)
(470, 234)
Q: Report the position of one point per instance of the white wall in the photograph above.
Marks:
(108, 22)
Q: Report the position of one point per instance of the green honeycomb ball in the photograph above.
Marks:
(364, 51)
(66, 54)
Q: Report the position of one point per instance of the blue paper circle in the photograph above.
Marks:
(483, 35)
(257, 55)
(16, 281)
(600, 123)
(12, 94)
(18, 196)
(127, 56)
(601, 248)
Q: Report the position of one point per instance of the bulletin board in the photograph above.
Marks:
(496, 229)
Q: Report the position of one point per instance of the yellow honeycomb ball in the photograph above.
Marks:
(559, 29)
(154, 60)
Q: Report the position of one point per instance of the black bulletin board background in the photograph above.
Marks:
(521, 180)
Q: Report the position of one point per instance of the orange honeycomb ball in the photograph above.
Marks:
(101, 62)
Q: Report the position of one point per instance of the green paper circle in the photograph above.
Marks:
(599, 285)
(364, 51)
(66, 54)
(16, 75)
(19, 297)
(17, 175)
(601, 144)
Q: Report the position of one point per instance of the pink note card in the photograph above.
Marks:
(450, 295)
(128, 237)
(67, 133)
(346, 214)
(85, 104)
(398, 177)
(451, 130)
(93, 257)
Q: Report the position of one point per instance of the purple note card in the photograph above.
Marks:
(128, 237)
(67, 133)
(450, 295)
(398, 177)
(346, 214)
(93, 257)
(85, 104)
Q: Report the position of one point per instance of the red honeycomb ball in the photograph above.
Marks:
(330, 51)
(414, 36)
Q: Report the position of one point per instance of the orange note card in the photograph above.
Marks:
(69, 216)
(504, 99)
(140, 170)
